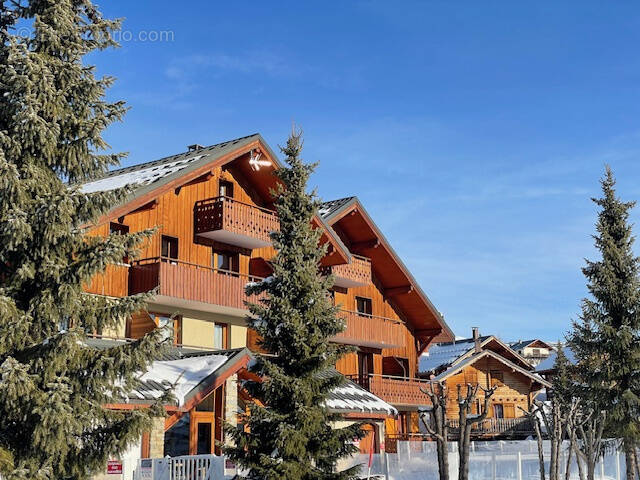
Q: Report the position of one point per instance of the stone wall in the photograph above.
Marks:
(156, 438)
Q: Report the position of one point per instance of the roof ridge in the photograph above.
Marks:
(340, 199)
(160, 161)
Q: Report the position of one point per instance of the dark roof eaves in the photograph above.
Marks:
(412, 279)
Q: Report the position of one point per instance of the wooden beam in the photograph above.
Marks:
(428, 332)
(392, 292)
(366, 245)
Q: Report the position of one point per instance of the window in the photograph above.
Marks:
(365, 368)
(169, 247)
(363, 306)
(119, 229)
(497, 378)
(536, 352)
(225, 189)
(204, 439)
(219, 333)
(227, 261)
(498, 410)
(395, 366)
(207, 404)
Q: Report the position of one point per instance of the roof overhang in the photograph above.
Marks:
(488, 353)
(263, 180)
(397, 281)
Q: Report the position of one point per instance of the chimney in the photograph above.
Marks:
(195, 147)
(476, 339)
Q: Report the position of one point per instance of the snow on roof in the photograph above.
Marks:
(159, 171)
(350, 398)
(489, 353)
(184, 375)
(444, 354)
(139, 178)
(329, 208)
(549, 362)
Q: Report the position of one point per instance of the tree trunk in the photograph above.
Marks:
(567, 468)
(578, 461)
(538, 429)
(464, 444)
(629, 456)
(444, 473)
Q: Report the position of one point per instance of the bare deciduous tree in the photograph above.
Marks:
(585, 435)
(438, 426)
(468, 420)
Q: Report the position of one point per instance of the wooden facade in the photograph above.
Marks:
(212, 237)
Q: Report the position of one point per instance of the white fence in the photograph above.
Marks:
(190, 467)
(497, 460)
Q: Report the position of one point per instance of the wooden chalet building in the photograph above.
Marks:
(489, 362)
(213, 214)
(534, 351)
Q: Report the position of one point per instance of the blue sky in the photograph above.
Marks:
(474, 133)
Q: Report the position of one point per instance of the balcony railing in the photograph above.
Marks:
(489, 428)
(190, 281)
(521, 426)
(394, 390)
(371, 331)
(357, 273)
(114, 282)
(233, 222)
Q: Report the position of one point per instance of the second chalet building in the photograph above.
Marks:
(489, 362)
(213, 213)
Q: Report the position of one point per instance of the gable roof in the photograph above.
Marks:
(335, 210)
(444, 355)
(327, 209)
(191, 371)
(151, 175)
(488, 353)
(520, 344)
(151, 179)
(188, 371)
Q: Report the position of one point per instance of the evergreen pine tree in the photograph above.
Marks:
(563, 379)
(52, 115)
(289, 432)
(606, 340)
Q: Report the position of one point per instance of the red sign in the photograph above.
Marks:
(114, 467)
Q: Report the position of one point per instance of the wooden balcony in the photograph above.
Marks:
(114, 282)
(502, 428)
(354, 274)
(498, 427)
(190, 282)
(230, 221)
(399, 391)
(371, 331)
